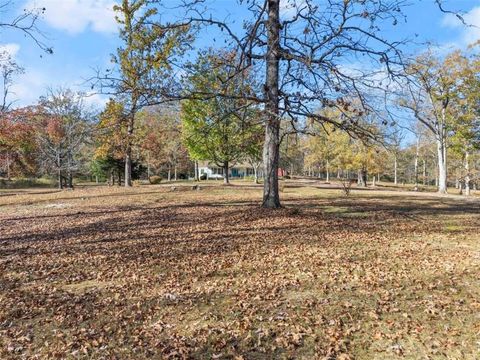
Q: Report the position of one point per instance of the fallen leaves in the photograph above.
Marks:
(143, 274)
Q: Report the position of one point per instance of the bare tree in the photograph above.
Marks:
(429, 94)
(25, 22)
(8, 70)
(395, 139)
(315, 54)
(63, 129)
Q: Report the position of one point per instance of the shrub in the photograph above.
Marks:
(347, 186)
(250, 177)
(155, 179)
(21, 183)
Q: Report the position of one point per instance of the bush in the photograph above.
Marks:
(155, 179)
(347, 186)
(26, 183)
(252, 178)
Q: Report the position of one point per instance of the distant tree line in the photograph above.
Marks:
(276, 93)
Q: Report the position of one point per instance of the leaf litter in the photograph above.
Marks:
(147, 273)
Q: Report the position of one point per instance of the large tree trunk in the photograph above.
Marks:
(467, 174)
(271, 198)
(226, 179)
(442, 166)
(169, 174)
(255, 174)
(175, 172)
(441, 137)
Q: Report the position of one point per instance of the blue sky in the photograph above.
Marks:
(83, 34)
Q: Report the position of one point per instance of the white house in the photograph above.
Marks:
(235, 170)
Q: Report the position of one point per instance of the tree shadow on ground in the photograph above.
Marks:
(192, 273)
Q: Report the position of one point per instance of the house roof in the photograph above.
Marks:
(237, 165)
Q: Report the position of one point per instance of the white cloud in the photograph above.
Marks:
(442, 50)
(471, 28)
(75, 16)
(95, 100)
(290, 8)
(28, 87)
(10, 49)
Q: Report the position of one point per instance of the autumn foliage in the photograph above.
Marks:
(17, 142)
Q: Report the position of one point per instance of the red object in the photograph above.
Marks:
(282, 172)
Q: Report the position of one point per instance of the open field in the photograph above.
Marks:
(148, 272)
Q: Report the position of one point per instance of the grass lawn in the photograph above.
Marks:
(109, 273)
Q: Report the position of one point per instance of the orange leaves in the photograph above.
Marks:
(55, 130)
